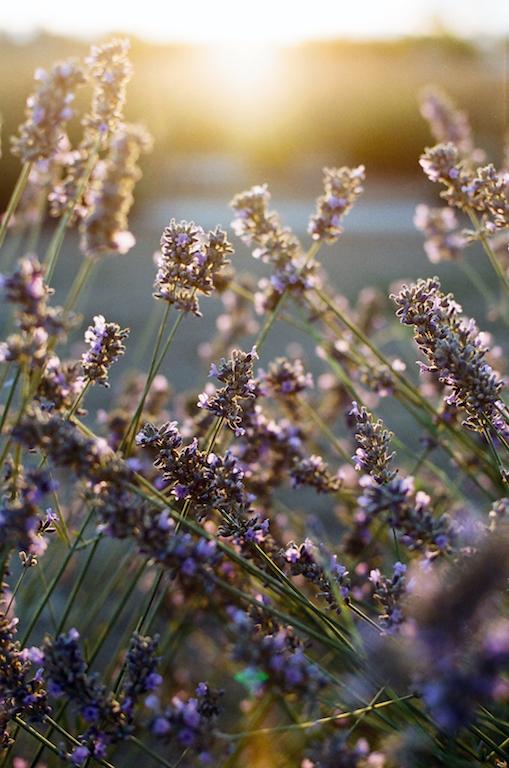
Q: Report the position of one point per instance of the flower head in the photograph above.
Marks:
(342, 188)
(189, 263)
(106, 345)
(47, 111)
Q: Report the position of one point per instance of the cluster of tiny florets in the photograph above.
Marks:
(454, 348)
(109, 70)
(206, 480)
(373, 454)
(276, 654)
(104, 228)
(483, 191)
(274, 244)
(330, 578)
(105, 345)
(22, 691)
(342, 188)
(409, 512)
(47, 112)
(314, 472)
(447, 123)
(389, 593)
(229, 401)
(38, 324)
(189, 262)
(286, 378)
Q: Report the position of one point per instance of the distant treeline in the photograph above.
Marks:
(342, 102)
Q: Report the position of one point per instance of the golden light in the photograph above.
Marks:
(243, 69)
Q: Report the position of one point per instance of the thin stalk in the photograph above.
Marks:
(62, 523)
(4, 375)
(149, 330)
(15, 198)
(18, 584)
(270, 320)
(110, 587)
(44, 583)
(325, 429)
(10, 396)
(117, 612)
(77, 586)
(54, 582)
(499, 270)
(478, 283)
(314, 723)
(51, 257)
(77, 400)
(78, 283)
(148, 751)
(155, 365)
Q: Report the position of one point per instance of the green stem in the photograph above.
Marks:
(77, 400)
(15, 590)
(10, 396)
(315, 723)
(15, 198)
(77, 586)
(324, 428)
(117, 612)
(153, 371)
(55, 245)
(54, 582)
(148, 751)
(270, 320)
(78, 283)
(497, 267)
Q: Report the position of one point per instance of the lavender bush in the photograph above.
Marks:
(162, 602)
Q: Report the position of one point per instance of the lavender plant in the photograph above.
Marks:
(170, 592)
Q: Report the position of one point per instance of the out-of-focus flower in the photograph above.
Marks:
(286, 378)
(108, 70)
(47, 111)
(447, 123)
(109, 198)
(342, 188)
(444, 242)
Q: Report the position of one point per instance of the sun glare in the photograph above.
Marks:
(243, 69)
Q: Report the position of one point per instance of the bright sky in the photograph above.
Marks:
(256, 21)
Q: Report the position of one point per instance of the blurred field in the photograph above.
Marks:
(217, 111)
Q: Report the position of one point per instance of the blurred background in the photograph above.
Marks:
(239, 94)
